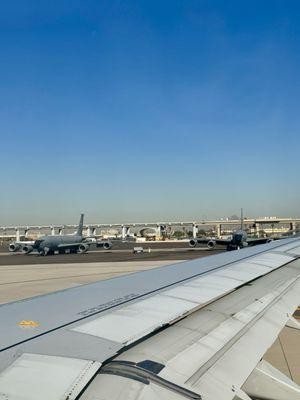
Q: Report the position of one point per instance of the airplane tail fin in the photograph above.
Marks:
(80, 225)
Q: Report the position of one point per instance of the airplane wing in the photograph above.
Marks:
(68, 245)
(193, 330)
(88, 244)
(223, 242)
(255, 241)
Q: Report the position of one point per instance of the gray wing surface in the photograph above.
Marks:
(68, 245)
(222, 242)
(191, 330)
(256, 241)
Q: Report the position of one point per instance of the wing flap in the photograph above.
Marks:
(212, 346)
(230, 369)
(213, 351)
(34, 376)
(137, 320)
(132, 322)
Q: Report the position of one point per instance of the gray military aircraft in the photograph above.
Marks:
(48, 245)
(238, 240)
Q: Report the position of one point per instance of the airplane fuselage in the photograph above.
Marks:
(52, 243)
(239, 239)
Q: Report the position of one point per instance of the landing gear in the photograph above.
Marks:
(73, 251)
(46, 252)
(231, 247)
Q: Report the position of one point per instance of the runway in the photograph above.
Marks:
(119, 252)
(22, 281)
(27, 275)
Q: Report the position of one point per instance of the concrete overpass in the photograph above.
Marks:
(255, 225)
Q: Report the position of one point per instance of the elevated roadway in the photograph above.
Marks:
(256, 224)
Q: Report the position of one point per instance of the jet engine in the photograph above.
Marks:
(27, 249)
(14, 247)
(83, 248)
(105, 245)
(193, 242)
(211, 244)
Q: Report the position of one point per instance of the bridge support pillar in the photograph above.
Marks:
(195, 230)
(125, 230)
(52, 230)
(94, 231)
(257, 229)
(158, 232)
(219, 230)
(88, 231)
(17, 234)
(26, 233)
(60, 231)
(294, 228)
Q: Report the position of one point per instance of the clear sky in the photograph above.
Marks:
(148, 110)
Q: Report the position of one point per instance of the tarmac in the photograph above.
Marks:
(153, 251)
(23, 276)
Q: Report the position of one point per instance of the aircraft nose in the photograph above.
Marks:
(37, 243)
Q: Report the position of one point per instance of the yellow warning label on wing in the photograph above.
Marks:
(28, 324)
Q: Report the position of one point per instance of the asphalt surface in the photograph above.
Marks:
(119, 252)
(22, 281)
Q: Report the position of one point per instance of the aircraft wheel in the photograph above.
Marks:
(46, 251)
(73, 251)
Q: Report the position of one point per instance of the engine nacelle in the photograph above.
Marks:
(27, 249)
(14, 247)
(83, 248)
(193, 242)
(211, 244)
(105, 245)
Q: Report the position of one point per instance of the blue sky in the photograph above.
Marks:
(148, 110)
